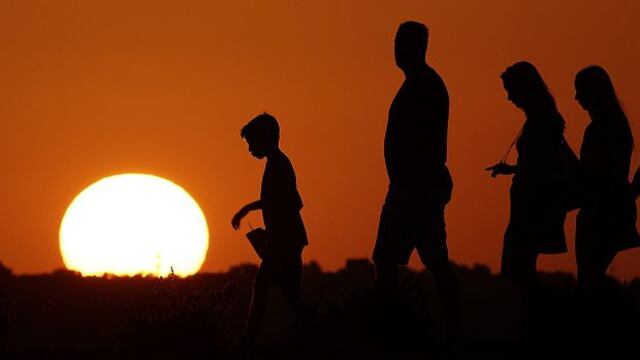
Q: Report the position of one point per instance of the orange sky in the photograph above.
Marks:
(92, 89)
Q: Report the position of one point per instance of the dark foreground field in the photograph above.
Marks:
(64, 315)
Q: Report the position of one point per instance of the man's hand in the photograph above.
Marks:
(500, 168)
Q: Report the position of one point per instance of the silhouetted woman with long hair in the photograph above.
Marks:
(536, 219)
(606, 222)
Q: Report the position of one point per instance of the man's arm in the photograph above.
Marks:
(635, 184)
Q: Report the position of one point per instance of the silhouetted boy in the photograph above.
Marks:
(280, 204)
(415, 152)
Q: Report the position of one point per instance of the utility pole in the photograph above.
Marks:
(158, 264)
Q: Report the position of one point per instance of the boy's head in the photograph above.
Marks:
(262, 134)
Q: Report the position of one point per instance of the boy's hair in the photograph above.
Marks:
(264, 125)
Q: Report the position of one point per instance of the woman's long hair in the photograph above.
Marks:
(525, 79)
(595, 81)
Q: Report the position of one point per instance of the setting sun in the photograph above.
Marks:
(134, 224)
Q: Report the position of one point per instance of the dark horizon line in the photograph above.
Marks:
(349, 263)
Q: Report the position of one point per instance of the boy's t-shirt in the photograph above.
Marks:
(281, 204)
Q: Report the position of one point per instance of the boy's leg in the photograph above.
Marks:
(290, 285)
(258, 304)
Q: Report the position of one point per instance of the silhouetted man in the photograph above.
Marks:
(415, 152)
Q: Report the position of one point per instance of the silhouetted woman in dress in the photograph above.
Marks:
(536, 219)
(606, 222)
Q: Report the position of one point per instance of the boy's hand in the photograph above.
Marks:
(235, 221)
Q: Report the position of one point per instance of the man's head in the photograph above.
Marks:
(412, 39)
(262, 134)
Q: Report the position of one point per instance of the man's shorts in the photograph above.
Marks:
(408, 225)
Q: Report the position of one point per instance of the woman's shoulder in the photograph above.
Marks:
(540, 125)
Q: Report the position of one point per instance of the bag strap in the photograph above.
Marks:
(506, 154)
(515, 140)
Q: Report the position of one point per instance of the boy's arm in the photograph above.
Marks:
(235, 221)
(256, 205)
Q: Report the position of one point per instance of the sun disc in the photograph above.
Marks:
(134, 224)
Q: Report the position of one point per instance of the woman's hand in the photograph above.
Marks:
(501, 168)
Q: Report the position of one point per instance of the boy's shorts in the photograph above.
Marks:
(282, 269)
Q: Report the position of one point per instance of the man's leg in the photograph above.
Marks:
(434, 254)
(388, 243)
(386, 280)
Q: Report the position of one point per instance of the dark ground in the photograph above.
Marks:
(64, 315)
